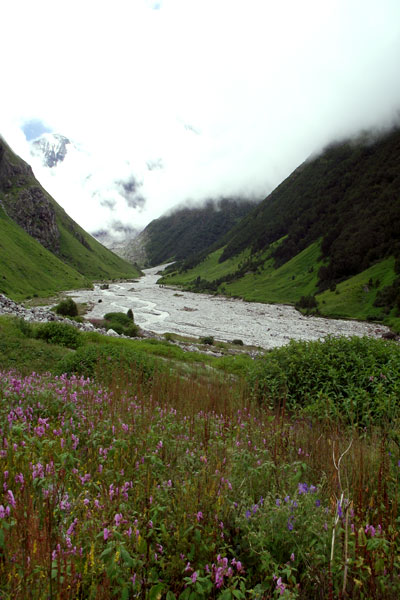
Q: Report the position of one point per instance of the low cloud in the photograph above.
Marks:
(230, 97)
(128, 189)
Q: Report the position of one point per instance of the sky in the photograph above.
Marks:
(172, 101)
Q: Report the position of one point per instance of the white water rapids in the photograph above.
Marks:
(162, 309)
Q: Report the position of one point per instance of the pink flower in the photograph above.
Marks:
(106, 533)
(194, 577)
(118, 518)
(11, 498)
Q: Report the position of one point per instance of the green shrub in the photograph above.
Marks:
(121, 323)
(208, 340)
(107, 361)
(59, 333)
(237, 342)
(130, 314)
(356, 379)
(25, 327)
(67, 308)
(118, 317)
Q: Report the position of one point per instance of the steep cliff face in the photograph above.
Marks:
(25, 202)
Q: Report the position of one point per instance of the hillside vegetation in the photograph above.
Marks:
(42, 250)
(187, 231)
(330, 230)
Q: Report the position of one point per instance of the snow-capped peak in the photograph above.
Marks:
(51, 148)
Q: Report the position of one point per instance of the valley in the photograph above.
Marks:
(162, 309)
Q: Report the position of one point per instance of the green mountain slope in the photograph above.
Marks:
(42, 249)
(187, 231)
(329, 230)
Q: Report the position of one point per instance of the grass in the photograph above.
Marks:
(356, 295)
(353, 298)
(28, 268)
(163, 477)
(189, 489)
(285, 285)
(208, 269)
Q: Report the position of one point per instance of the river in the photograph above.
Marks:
(162, 309)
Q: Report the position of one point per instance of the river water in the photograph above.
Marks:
(162, 309)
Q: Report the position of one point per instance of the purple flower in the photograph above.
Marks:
(194, 577)
(118, 518)
(303, 488)
(106, 533)
(11, 498)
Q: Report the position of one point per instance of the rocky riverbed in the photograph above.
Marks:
(161, 309)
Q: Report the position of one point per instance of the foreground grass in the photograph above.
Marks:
(151, 480)
(188, 490)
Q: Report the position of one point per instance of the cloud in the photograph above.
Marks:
(192, 98)
(129, 190)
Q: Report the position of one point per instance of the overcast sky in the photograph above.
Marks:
(190, 99)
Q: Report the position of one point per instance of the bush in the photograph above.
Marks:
(208, 340)
(356, 379)
(121, 323)
(130, 314)
(237, 342)
(67, 308)
(118, 317)
(59, 333)
(107, 361)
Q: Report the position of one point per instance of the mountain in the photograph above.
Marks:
(186, 231)
(51, 148)
(335, 218)
(42, 249)
(117, 239)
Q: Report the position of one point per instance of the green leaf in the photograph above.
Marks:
(126, 557)
(125, 594)
(156, 591)
(1, 538)
(170, 596)
(106, 552)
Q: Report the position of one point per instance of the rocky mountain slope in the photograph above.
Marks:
(186, 231)
(42, 249)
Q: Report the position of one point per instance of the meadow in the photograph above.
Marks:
(150, 481)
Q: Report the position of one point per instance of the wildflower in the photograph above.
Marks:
(292, 557)
(199, 516)
(106, 533)
(11, 498)
(318, 503)
(280, 586)
(4, 512)
(277, 502)
(303, 488)
(371, 530)
(194, 577)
